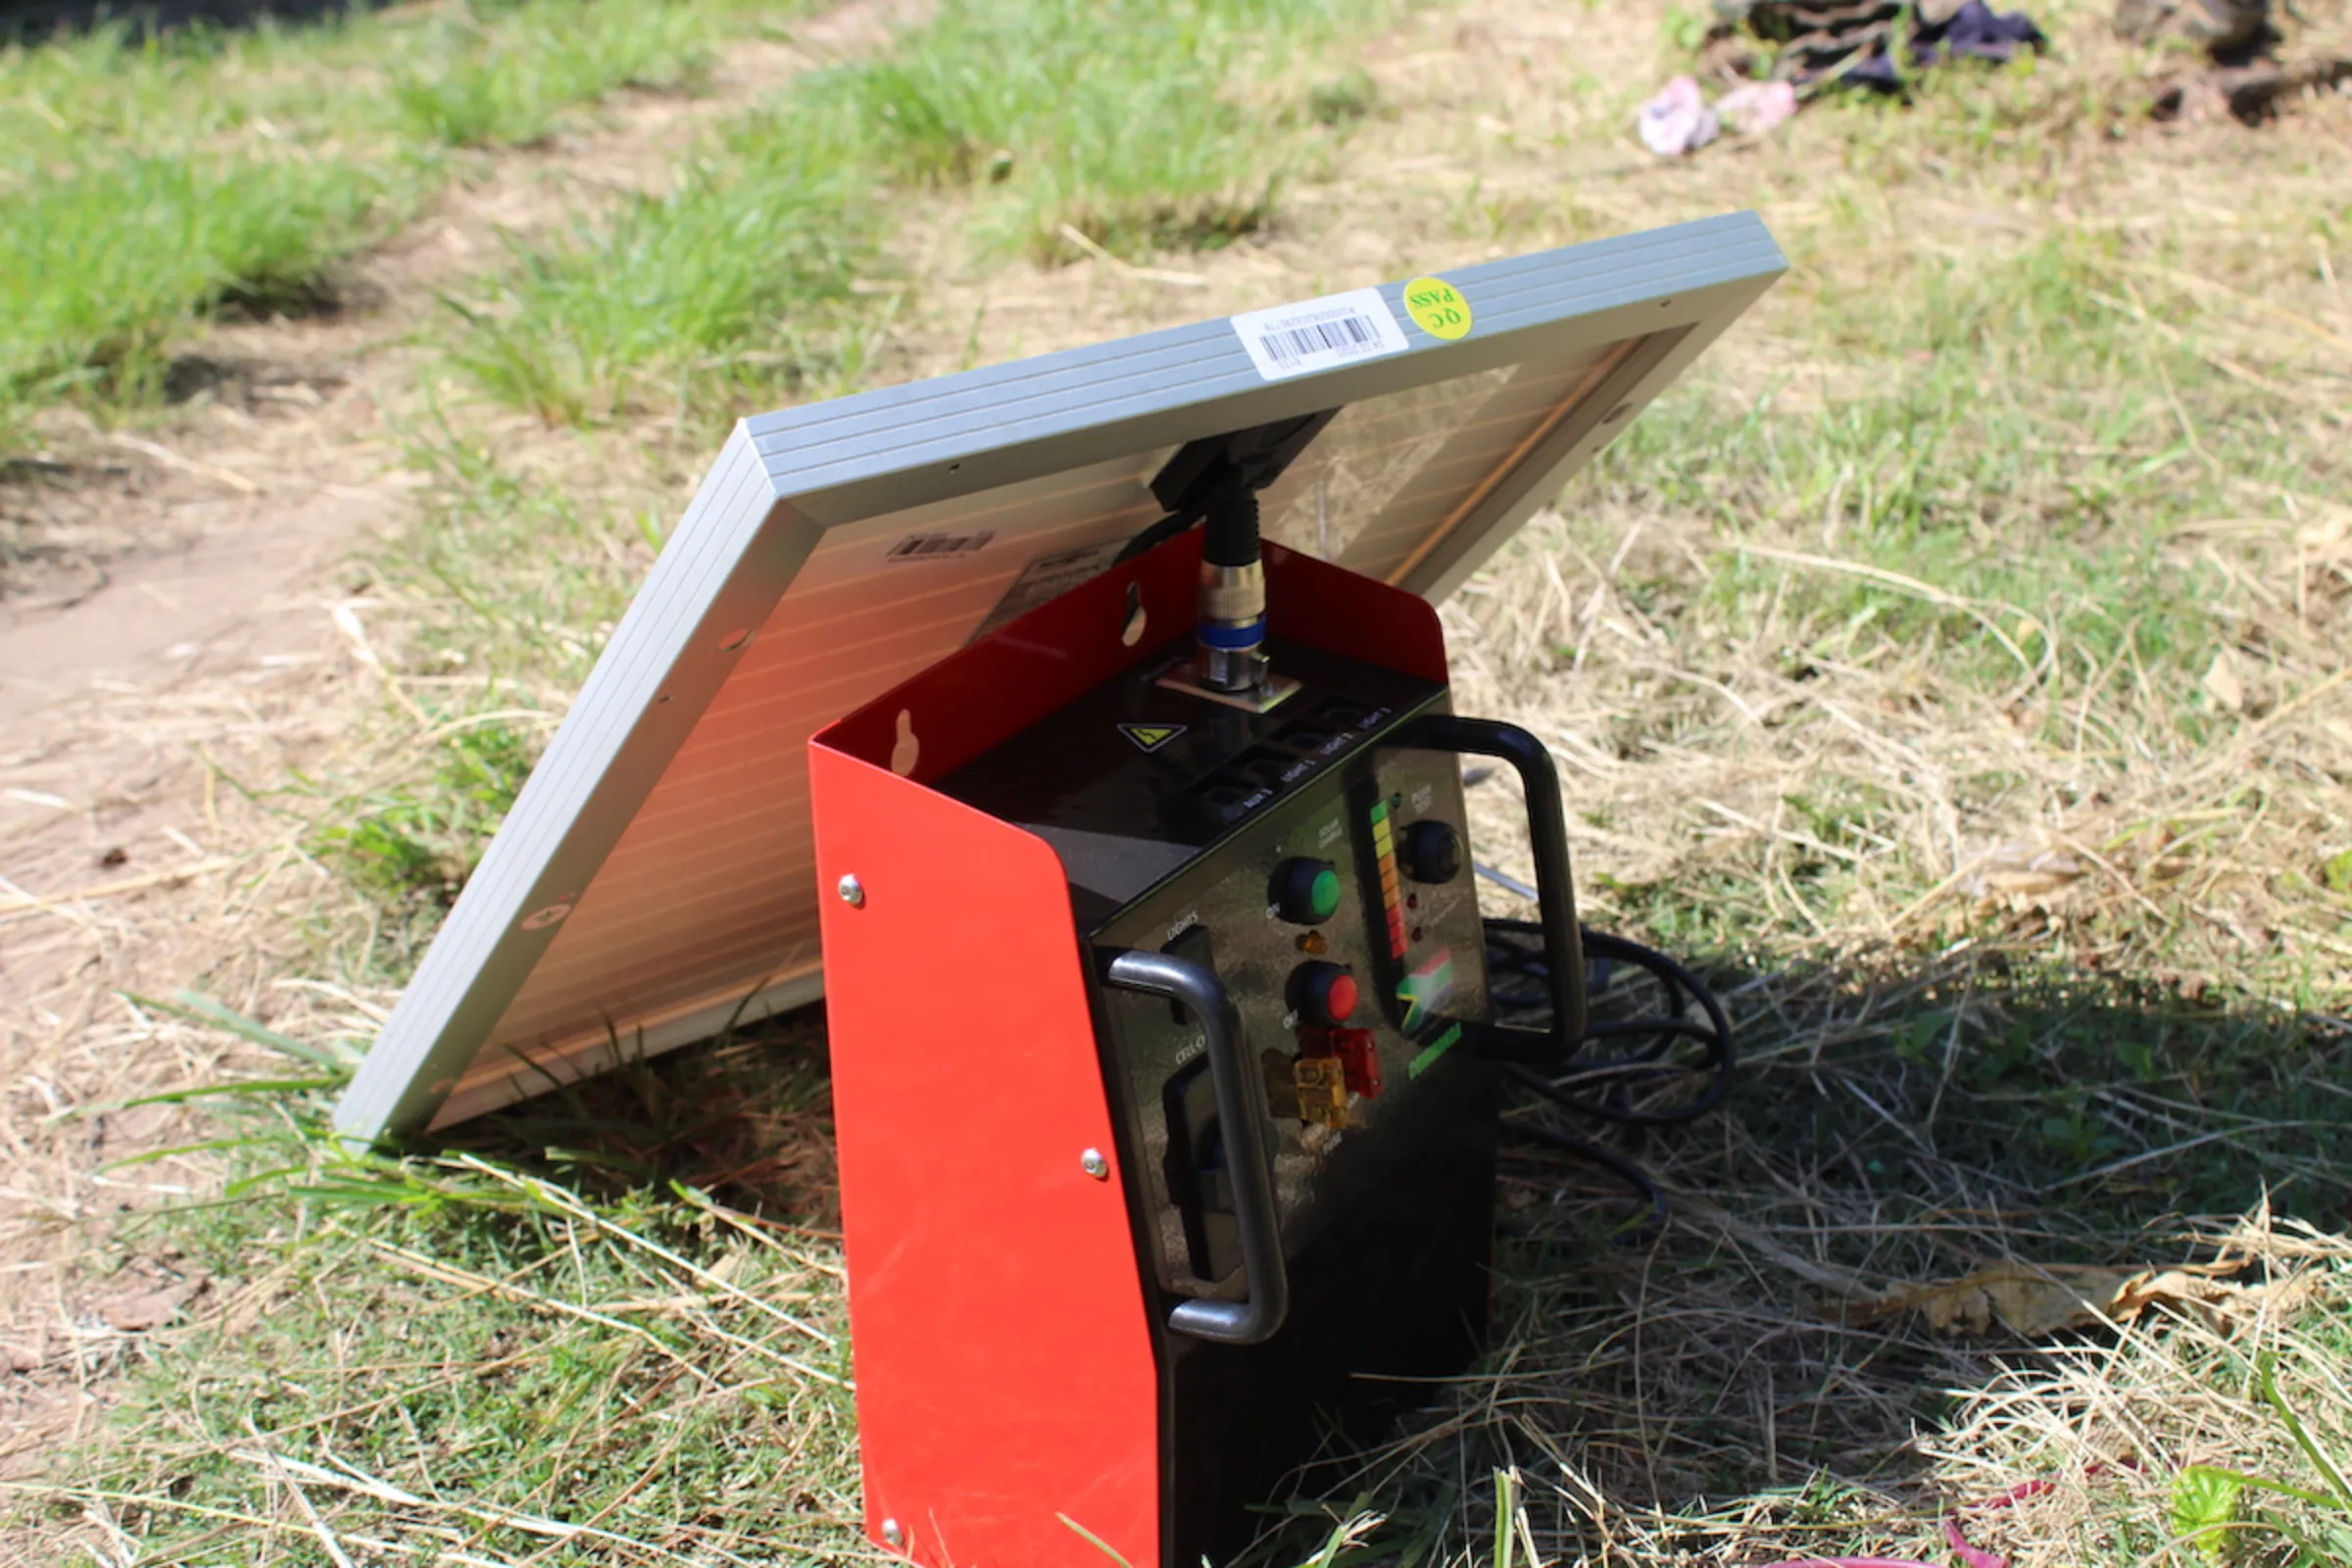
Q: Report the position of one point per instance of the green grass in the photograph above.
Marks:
(2003, 520)
(729, 290)
(411, 848)
(148, 188)
(509, 77)
(1143, 126)
(107, 266)
(1140, 126)
(560, 1358)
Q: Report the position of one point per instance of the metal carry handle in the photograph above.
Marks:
(1547, 831)
(1240, 1113)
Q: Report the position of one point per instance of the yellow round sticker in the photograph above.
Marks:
(1438, 308)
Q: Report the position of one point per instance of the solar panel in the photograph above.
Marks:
(654, 881)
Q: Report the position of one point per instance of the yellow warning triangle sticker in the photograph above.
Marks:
(1151, 737)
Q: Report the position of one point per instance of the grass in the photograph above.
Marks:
(530, 1359)
(524, 586)
(146, 187)
(1142, 127)
(119, 257)
(1953, 667)
(1138, 127)
(509, 74)
(731, 288)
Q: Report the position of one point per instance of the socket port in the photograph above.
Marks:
(1263, 765)
(1309, 740)
(1342, 712)
(1228, 801)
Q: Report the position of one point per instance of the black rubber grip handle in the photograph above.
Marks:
(1555, 889)
(1241, 1097)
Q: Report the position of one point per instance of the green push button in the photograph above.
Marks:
(1324, 896)
(1306, 891)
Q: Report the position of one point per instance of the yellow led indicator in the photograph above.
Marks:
(1438, 308)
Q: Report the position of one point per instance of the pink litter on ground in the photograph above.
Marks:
(1849, 1562)
(1757, 107)
(1678, 120)
(1971, 1557)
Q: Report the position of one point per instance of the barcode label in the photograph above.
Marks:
(1336, 330)
(931, 546)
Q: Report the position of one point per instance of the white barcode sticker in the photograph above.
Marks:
(1317, 334)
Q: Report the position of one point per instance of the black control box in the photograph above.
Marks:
(1315, 862)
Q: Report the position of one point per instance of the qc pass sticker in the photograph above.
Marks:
(1438, 308)
(1318, 334)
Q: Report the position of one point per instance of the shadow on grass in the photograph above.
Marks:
(30, 22)
(1721, 1390)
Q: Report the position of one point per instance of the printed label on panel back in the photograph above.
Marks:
(1319, 334)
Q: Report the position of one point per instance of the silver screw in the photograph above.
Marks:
(891, 1532)
(1093, 1164)
(853, 891)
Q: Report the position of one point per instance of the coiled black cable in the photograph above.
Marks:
(1620, 1088)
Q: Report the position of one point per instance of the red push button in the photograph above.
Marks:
(1340, 998)
(1322, 994)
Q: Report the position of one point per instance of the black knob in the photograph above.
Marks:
(1322, 994)
(1433, 852)
(1306, 891)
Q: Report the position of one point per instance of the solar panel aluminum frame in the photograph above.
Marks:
(1639, 308)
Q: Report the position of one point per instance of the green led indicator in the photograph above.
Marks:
(1433, 1051)
(1324, 896)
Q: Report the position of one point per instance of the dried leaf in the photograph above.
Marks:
(2224, 684)
(2020, 1297)
(2020, 870)
(2029, 1299)
(148, 1309)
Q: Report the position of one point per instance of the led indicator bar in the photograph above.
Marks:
(1384, 849)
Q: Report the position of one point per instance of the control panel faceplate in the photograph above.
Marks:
(1316, 866)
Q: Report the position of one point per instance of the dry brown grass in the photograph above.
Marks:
(1711, 1407)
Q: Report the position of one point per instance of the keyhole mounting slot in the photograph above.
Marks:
(1131, 629)
(908, 748)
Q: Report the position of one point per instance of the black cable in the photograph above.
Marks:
(1602, 1089)
(1160, 533)
(1646, 1065)
(1642, 1185)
